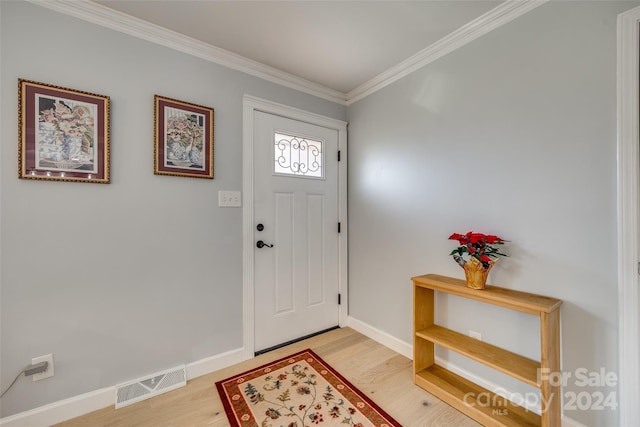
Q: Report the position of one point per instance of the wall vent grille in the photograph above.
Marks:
(152, 385)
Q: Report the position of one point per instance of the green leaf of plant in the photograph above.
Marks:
(284, 396)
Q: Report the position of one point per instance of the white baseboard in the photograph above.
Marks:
(76, 406)
(62, 410)
(210, 364)
(382, 337)
(570, 422)
(406, 350)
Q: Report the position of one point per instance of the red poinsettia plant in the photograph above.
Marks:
(477, 245)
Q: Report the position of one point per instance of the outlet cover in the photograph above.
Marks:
(46, 374)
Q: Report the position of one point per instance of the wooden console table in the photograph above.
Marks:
(461, 393)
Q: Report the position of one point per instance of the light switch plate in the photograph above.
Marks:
(229, 199)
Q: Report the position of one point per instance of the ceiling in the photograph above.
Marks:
(340, 45)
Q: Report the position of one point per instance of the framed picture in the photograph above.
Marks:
(63, 134)
(183, 139)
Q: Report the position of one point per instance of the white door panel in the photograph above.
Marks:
(296, 280)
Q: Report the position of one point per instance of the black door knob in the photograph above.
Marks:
(260, 244)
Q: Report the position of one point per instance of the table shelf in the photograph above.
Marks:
(522, 368)
(477, 402)
(491, 409)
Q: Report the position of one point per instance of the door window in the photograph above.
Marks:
(297, 156)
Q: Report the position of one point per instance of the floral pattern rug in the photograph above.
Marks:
(300, 390)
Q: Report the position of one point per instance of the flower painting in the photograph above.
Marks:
(63, 134)
(66, 134)
(183, 139)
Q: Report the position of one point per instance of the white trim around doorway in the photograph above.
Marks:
(252, 104)
(628, 200)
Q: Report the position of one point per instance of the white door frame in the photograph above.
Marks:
(252, 104)
(628, 199)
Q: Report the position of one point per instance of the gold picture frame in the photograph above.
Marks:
(63, 134)
(183, 138)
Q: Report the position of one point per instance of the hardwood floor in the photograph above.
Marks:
(384, 375)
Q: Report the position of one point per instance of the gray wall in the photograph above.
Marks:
(515, 135)
(125, 279)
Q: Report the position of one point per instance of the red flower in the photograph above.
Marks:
(316, 418)
(494, 239)
(272, 413)
(459, 237)
(476, 245)
(303, 389)
(477, 237)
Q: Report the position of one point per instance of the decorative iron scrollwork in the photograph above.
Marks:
(298, 156)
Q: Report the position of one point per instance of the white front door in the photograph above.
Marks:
(295, 229)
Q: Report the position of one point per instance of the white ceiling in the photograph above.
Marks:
(340, 45)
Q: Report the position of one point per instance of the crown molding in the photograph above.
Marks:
(101, 15)
(112, 19)
(496, 17)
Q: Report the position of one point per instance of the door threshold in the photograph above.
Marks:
(284, 344)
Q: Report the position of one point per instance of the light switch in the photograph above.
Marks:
(229, 199)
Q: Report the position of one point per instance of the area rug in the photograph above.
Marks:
(300, 390)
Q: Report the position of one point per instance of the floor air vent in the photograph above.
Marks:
(149, 386)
